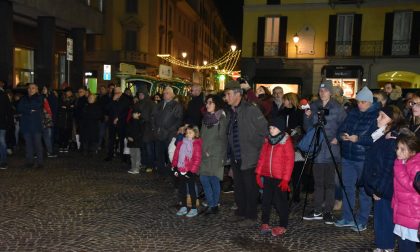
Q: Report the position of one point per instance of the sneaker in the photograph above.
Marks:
(182, 211)
(277, 231)
(329, 218)
(135, 171)
(9, 152)
(360, 229)
(192, 213)
(313, 215)
(3, 166)
(234, 207)
(228, 190)
(51, 155)
(344, 223)
(149, 169)
(265, 229)
(204, 203)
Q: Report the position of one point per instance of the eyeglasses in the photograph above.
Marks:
(412, 104)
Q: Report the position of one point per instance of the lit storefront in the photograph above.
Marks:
(347, 77)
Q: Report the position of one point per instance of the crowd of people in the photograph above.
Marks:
(245, 136)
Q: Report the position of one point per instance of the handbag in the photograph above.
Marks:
(305, 142)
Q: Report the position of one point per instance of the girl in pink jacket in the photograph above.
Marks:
(406, 200)
(187, 160)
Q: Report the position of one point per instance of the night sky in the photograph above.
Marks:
(232, 12)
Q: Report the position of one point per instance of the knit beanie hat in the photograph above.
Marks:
(365, 95)
(328, 85)
(278, 122)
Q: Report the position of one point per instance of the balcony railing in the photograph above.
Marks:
(271, 49)
(372, 48)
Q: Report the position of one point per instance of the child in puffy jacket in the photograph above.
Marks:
(273, 172)
(187, 160)
(406, 200)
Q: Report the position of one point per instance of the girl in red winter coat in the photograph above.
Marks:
(187, 160)
(275, 167)
(406, 200)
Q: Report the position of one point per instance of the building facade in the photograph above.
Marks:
(352, 42)
(33, 40)
(136, 31)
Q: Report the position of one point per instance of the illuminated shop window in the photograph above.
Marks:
(23, 71)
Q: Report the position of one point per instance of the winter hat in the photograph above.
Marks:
(365, 95)
(328, 85)
(387, 110)
(278, 122)
(231, 85)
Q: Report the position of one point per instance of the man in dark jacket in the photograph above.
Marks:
(80, 103)
(147, 107)
(31, 108)
(332, 114)
(118, 111)
(103, 100)
(355, 138)
(195, 108)
(167, 119)
(246, 131)
(5, 119)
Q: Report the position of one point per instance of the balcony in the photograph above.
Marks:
(271, 49)
(373, 48)
(133, 57)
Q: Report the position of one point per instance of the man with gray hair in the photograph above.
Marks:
(246, 131)
(167, 119)
(194, 113)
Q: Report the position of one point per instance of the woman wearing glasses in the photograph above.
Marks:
(415, 115)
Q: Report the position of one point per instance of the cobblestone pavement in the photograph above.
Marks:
(85, 204)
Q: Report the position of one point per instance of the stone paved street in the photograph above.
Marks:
(84, 204)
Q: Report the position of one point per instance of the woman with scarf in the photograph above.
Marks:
(378, 174)
(213, 134)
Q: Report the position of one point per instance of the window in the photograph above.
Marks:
(131, 40)
(273, 2)
(401, 33)
(23, 60)
(161, 10)
(131, 6)
(344, 34)
(271, 36)
(60, 69)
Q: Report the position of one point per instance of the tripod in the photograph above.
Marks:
(315, 147)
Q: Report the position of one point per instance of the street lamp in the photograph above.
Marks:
(233, 47)
(205, 62)
(296, 40)
(184, 55)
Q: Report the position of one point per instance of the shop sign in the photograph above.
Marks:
(107, 72)
(69, 52)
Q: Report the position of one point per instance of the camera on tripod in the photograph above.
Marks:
(322, 112)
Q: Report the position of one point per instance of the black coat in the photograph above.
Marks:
(167, 120)
(194, 113)
(6, 114)
(65, 113)
(135, 130)
(90, 117)
(378, 171)
(146, 107)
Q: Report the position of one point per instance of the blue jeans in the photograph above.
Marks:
(383, 224)
(352, 173)
(33, 144)
(47, 137)
(3, 147)
(148, 154)
(211, 186)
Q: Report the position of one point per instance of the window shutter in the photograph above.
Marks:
(332, 32)
(415, 34)
(282, 36)
(357, 34)
(260, 36)
(389, 27)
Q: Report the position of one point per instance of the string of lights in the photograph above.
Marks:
(222, 65)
